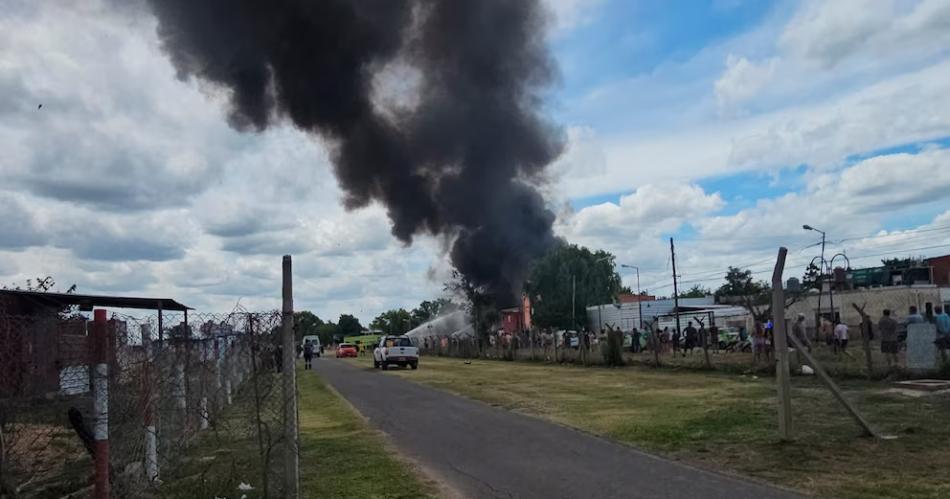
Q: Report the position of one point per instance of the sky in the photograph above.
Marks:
(724, 124)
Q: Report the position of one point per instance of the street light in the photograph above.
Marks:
(639, 296)
(821, 275)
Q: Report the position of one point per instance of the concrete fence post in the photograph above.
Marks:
(782, 373)
(100, 361)
(289, 374)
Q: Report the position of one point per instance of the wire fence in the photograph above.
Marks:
(745, 349)
(175, 389)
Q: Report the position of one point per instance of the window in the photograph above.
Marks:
(398, 342)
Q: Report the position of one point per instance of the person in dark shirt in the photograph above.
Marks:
(676, 341)
(714, 337)
(691, 336)
(307, 354)
(890, 345)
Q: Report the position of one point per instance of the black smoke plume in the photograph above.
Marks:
(461, 162)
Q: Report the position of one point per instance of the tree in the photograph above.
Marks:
(812, 277)
(307, 324)
(349, 325)
(755, 296)
(549, 285)
(739, 283)
(427, 310)
(329, 333)
(396, 321)
(696, 291)
(478, 304)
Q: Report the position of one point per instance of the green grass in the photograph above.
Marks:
(727, 421)
(340, 456)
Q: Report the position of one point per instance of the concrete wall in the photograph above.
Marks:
(897, 299)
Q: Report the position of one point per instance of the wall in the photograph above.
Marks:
(896, 298)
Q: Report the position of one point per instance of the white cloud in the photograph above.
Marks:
(631, 227)
(830, 33)
(848, 203)
(741, 81)
(128, 180)
(569, 14)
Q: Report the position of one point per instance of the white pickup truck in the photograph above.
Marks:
(395, 350)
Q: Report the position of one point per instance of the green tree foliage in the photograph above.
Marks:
(811, 277)
(349, 325)
(397, 321)
(550, 284)
(329, 332)
(427, 310)
(307, 324)
(739, 283)
(478, 305)
(696, 291)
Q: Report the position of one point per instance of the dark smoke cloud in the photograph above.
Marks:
(460, 163)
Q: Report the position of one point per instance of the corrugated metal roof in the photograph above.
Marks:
(86, 302)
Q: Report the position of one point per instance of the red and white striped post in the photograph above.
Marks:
(100, 402)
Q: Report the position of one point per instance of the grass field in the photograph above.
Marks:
(340, 457)
(727, 422)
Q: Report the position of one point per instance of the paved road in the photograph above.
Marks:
(481, 451)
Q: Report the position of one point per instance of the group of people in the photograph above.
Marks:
(891, 331)
(685, 343)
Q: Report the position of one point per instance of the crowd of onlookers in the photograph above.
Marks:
(758, 339)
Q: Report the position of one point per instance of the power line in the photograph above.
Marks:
(908, 231)
(720, 274)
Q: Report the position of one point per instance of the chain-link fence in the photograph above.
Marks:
(179, 389)
(746, 349)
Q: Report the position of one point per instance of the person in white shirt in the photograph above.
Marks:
(841, 337)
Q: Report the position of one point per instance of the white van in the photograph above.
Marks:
(314, 340)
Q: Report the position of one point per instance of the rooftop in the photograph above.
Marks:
(87, 302)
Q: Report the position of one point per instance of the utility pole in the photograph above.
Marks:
(676, 295)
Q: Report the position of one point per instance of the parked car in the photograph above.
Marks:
(396, 350)
(346, 350)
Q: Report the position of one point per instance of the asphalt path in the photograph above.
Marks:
(480, 451)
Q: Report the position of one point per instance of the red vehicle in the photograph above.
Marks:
(346, 350)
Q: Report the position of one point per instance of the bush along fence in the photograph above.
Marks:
(118, 405)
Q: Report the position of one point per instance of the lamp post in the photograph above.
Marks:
(821, 274)
(639, 296)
